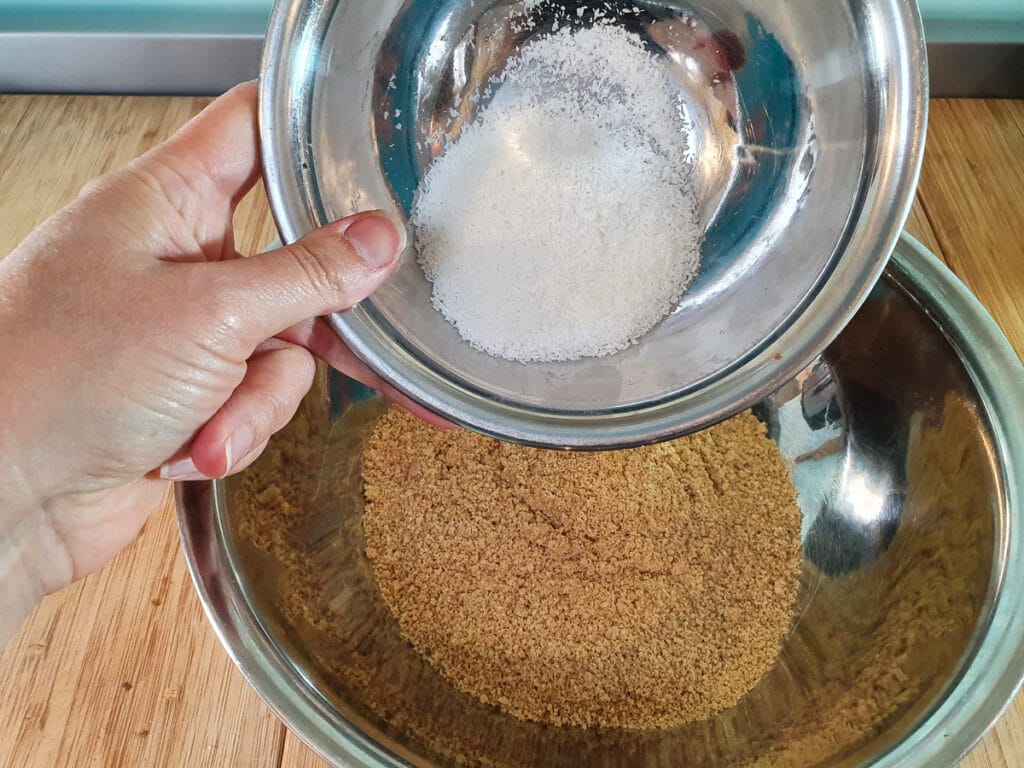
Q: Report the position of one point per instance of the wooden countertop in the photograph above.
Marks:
(123, 670)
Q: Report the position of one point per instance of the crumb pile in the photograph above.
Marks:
(865, 659)
(636, 589)
(563, 222)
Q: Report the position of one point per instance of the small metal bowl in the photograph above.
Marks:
(808, 124)
(906, 443)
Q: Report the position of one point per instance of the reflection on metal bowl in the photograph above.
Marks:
(808, 122)
(906, 443)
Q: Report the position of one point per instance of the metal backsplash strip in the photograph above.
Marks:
(122, 63)
(192, 64)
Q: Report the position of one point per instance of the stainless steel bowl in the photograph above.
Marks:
(906, 441)
(809, 123)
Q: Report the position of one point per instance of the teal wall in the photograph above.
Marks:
(946, 20)
(974, 20)
(168, 16)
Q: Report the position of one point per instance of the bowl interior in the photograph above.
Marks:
(902, 495)
(790, 109)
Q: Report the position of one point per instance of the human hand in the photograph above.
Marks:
(137, 347)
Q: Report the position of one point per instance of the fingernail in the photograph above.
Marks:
(236, 446)
(181, 471)
(375, 238)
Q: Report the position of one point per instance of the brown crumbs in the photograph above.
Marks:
(636, 589)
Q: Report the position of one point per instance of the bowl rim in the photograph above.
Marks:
(833, 301)
(993, 671)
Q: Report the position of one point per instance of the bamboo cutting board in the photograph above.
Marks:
(122, 669)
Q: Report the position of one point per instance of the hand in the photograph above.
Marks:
(137, 347)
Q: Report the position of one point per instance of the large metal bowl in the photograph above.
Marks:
(808, 128)
(906, 442)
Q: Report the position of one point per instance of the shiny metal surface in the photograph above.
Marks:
(809, 121)
(118, 62)
(40, 62)
(906, 442)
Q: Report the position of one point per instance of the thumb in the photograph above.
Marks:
(327, 271)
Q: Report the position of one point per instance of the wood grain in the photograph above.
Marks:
(298, 755)
(972, 191)
(123, 670)
(919, 226)
(51, 146)
(972, 195)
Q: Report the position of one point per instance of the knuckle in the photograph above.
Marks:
(219, 295)
(91, 188)
(278, 412)
(322, 269)
(221, 307)
(98, 185)
(294, 368)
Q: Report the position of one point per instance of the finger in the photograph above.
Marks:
(278, 376)
(220, 144)
(320, 339)
(327, 271)
(185, 469)
(250, 458)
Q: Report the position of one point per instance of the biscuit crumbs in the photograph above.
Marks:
(635, 589)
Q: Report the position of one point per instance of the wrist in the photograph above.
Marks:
(29, 458)
(31, 561)
(32, 565)
(18, 499)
